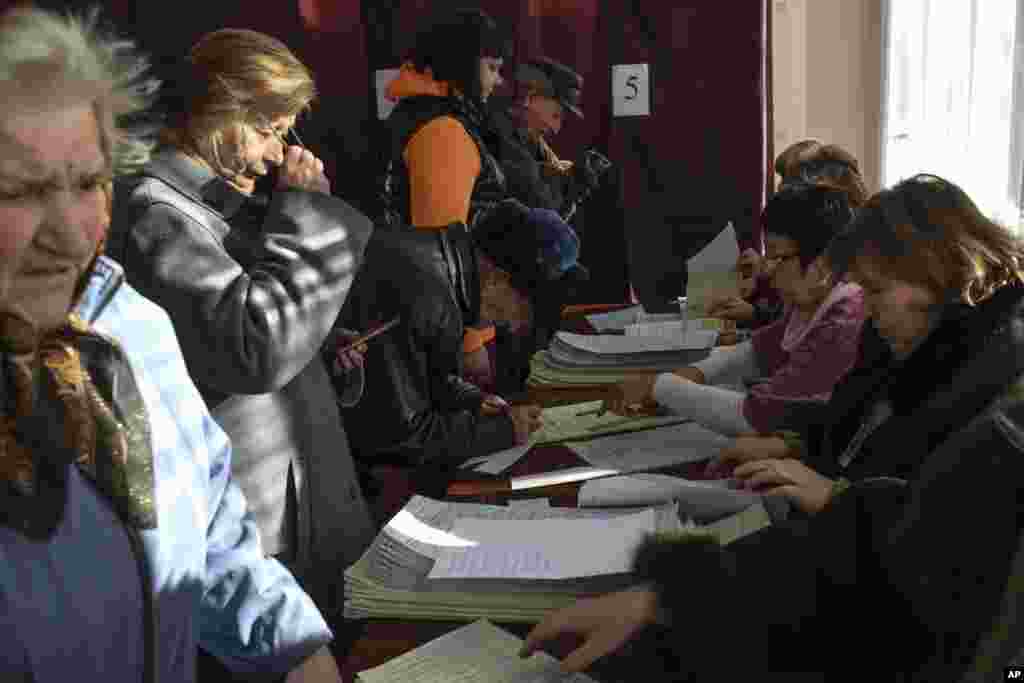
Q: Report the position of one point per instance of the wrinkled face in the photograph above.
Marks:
(54, 209)
(261, 146)
(490, 75)
(543, 115)
(904, 313)
(796, 285)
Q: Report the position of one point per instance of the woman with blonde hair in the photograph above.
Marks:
(126, 545)
(253, 282)
(911, 544)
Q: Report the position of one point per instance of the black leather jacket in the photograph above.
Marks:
(416, 408)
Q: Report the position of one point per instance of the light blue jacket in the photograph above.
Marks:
(212, 584)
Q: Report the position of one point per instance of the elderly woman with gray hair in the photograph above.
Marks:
(125, 544)
(253, 283)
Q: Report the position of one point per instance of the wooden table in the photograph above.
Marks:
(372, 642)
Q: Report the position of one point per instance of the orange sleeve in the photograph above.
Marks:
(474, 339)
(443, 164)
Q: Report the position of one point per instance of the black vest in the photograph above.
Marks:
(411, 114)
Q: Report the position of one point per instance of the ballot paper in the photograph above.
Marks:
(734, 527)
(476, 653)
(712, 272)
(653, 448)
(703, 500)
(390, 579)
(543, 549)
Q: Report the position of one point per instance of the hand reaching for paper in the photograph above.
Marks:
(632, 397)
(744, 449)
(605, 623)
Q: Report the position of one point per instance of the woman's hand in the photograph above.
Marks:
(633, 396)
(732, 308)
(526, 419)
(319, 668)
(744, 449)
(476, 367)
(807, 489)
(301, 170)
(605, 623)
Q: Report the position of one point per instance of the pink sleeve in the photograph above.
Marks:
(808, 375)
(767, 343)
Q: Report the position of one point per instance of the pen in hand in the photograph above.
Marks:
(359, 341)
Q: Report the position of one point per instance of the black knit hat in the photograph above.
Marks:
(554, 80)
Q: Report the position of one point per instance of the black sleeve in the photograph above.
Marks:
(247, 330)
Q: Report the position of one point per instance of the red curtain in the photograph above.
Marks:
(700, 159)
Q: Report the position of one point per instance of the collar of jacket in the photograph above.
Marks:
(975, 356)
(195, 181)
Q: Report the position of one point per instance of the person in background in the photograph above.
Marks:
(253, 283)
(922, 572)
(126, 543)
(418, 413)
(790, 366)
(441, 169)
(804, 162)
(545, 92)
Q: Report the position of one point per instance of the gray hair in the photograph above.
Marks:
(52, 60)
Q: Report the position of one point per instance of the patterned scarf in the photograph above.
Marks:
(59, 406)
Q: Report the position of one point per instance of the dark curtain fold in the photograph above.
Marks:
(701, 159)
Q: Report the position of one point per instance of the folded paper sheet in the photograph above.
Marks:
(476, 653)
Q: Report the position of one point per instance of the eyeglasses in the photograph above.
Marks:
(779, 259)
(262, 119)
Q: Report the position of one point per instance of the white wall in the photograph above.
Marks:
(827, 76)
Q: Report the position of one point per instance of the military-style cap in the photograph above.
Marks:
(554, 80)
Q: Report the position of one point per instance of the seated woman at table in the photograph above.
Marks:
(791, 365)
(805, 162)
(920, 573)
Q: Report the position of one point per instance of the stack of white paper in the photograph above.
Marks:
(391, 579)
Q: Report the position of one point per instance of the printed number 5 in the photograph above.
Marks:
(631, 83)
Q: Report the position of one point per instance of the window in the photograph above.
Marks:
(954, 98)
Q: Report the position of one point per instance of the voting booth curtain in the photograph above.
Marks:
(700, 159)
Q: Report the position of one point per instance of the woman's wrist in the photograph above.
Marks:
(793, 441)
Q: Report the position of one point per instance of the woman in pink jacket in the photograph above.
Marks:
(787, 370)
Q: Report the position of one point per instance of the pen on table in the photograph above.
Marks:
(359, 341)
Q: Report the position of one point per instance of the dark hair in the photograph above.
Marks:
(812, 161)
(453, 44)
(810, 215)
(927, 231)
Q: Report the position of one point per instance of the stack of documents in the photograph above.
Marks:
(452, 561)
(476, 653)
(608, 358)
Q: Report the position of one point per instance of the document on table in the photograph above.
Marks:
(735, 527)
(543, 549)
(476, 653)
(613, 344)
(715, 497)
(653, 448)
(425, 525)
(615, 320)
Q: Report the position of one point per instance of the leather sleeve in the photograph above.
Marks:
(246, 329)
